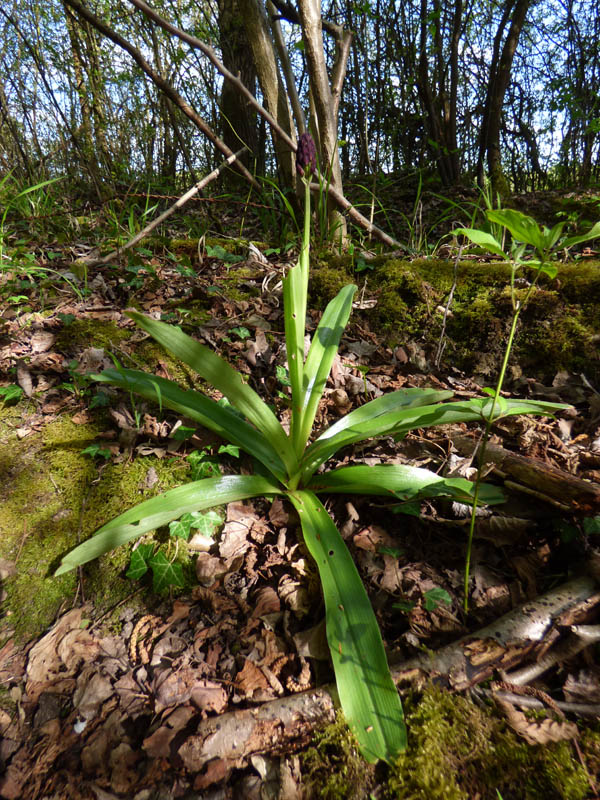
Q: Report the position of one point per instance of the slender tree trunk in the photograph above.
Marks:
(238, 119)
(498, 83)
(271, 83)
(312, 31)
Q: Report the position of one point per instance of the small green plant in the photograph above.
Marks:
(96, 451)
(288, 465)
(15, 200)
(10, 395)
(167, 573)
(533, 250)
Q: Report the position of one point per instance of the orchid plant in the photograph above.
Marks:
(288, 464)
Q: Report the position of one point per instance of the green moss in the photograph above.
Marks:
(83, 332)
(325, 282)
(457, 751)
(51, 498)
(558, 329)
(404, 295)
(333, 768)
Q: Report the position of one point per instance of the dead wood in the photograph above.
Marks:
(536, 478)
(273, 726)
(92, 259)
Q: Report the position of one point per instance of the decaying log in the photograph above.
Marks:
(549, 484)
(224, 742)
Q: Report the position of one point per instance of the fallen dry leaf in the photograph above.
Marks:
(536, 731)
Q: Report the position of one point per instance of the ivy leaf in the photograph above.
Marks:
(242, 332)
(282, 375)
(201, 466)
(181, 527)
(436, 596)
(206, 523)
(165, 573)
(10, 394)
(230, 450)
(182, 433)
(138, 566)
(591, 525)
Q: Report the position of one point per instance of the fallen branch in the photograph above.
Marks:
(223, 742)
(533, 477)
(92, 260)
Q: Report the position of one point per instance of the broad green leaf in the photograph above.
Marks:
(399, 423)
(402, 481)
(484, 240)
(370, 417)
(165, 573)
(593, 233)
(216, 371)
(216, 417)
(164, 508)
(552, 236)
(549, 269)
(523, 228)
(320, 357)
(368, 696)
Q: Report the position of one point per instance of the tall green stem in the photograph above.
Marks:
(517, 308)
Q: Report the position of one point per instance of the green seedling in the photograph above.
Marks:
(9, 395)
(533, 250)
(288, 465)
(241, 332)
(96, 451)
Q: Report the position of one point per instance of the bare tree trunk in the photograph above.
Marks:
(271, 83)
(497, 85)
(312, 31)
(439, 99)
(239, 121)
(159, 81)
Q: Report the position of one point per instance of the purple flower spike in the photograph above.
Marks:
(306, 155)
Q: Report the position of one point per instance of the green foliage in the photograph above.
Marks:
(10, 394)
(96, 451)
(289, 465)
(458, 751)
(545, 243)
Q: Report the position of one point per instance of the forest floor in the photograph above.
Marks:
(203, 683)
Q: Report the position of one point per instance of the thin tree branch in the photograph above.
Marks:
(212, 56)
(337, 196)
(162, 84)
(162, 217)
